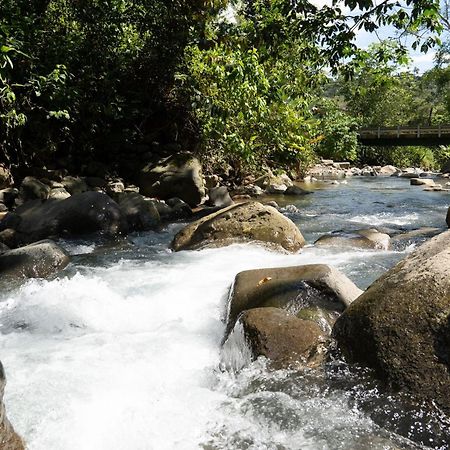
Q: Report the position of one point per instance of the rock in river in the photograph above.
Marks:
(37, 260)
(283, 338)
(245, 222)
(365, 239)
(9, 440)
(176, 176)
(401, 325)
(87, 212)
(317, 292)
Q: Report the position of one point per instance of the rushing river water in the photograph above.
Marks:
(122, 350)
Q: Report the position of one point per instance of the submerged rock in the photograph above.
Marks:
(38, 260)
(422, 182)
(317, 292)
(401, 325)
(83, 213)
(179, 176)
(9, 439)
(245, 222)
(283, 338)
(365, 239)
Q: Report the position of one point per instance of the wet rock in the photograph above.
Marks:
(141, 213)
(88, 212)
(273, 204)
(424, 232)
(96, 182)
(245, 222)
(37, 260)
(422, 182)
(295, 190)
(179, 209)
(284, 339)
(3, 248)
(32, 189)
(313, 291)
(400, 325)
(176, 176)
(9, 439)
(74, 185)
(219, 196)
(365, 239)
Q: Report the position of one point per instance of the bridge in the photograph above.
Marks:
(402, 136)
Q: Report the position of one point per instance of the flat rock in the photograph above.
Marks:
(364, 239)
(311, 291)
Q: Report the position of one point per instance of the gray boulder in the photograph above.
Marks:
(9, 439)
(316, 292)
(141, 213)
(83, 213)
(245, 222)
(401, 325)
(37, 260)
(176, 176)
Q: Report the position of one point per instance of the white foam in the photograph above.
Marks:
(386, 219)
(125, 357)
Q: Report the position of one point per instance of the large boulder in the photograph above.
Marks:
(32, 189)
(401, 325)
(316, 292)
(83, 213)
(245, 222)
(284, 339)
(141, 213)
(9, 439)
(176, 176)
(364, 239)
(37, 260)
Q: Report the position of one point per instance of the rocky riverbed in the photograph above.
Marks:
(128, 315)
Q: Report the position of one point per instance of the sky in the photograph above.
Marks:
(421, 61)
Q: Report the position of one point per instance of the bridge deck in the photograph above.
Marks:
(417, 135)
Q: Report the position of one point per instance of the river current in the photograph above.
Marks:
(122, 350)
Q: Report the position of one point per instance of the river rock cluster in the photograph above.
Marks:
(399, 327)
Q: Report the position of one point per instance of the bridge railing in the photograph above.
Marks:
(419, 131)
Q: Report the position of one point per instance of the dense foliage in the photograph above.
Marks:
(241, 83)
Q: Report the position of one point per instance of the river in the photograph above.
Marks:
(122, 349)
